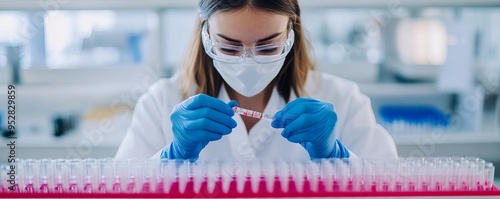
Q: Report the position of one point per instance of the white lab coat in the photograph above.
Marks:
(151, 129)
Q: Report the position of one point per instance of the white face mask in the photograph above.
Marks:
(249, 78)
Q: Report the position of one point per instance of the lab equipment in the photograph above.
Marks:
(413, 119)
(310, 122)
(254, 114)
(14, 56)
(197, 121)
(417, 47)
(255, 178)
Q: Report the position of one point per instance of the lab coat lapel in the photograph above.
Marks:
(239, 142)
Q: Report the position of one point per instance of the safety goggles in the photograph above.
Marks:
(232, 54)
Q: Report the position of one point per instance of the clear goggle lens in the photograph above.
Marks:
(236, 54)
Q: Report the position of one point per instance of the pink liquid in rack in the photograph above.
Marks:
(260, 178)
(249, 187)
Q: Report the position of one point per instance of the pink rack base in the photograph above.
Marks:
(247, 193)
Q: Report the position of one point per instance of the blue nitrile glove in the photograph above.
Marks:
(197, 121)
(310, 122)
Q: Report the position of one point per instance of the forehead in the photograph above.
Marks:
(248, 24)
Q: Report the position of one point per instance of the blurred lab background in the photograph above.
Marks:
(431, 68)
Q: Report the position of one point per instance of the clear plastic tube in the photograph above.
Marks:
(3, 176)
(121, 176)
(213, 176)
(153, 175)
(76, 175)
(106, 175)
(46, 176)
(25, 175)
(254, 114)
(314, 177)
(244, 176)
(91, 176)
(490, 175)
(61, 172)
(169, 174)
(136, 176)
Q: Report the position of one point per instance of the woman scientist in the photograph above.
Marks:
(253, 54)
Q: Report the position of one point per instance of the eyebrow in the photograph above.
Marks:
(260, 40)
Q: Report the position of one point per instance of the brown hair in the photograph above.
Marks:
(293, 74)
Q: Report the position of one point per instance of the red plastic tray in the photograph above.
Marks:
(248, 194)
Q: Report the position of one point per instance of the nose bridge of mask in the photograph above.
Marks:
(249, 73)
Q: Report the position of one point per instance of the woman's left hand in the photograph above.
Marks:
(310, 122)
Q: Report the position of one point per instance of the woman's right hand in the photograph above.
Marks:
(197, 121)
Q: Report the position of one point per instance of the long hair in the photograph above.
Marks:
(292, 76)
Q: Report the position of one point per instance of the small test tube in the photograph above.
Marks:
(3, 178)
(91, 176)
(490, 175)
(136, 178)
(152, 176)
(2, 171)
(106, 177)
(76, 171)
(46, 175)
(121, 176)
(213, 176)
(61, 172)
(254, 114)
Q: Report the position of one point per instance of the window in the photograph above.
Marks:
(53, 42)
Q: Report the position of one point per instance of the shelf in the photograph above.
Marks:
(482, 145)
(89, 134)
(51, 99)
(388, 89)
(164, 4)
(68, 141)
(449, 138)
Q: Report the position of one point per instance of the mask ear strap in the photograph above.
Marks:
(291, 32)
(204, 29)
(290, 24)
(205, 37)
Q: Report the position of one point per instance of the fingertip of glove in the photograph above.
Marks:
(233, 123)
(226, 132)
(232, 104)
(284, 133)
(275, 123)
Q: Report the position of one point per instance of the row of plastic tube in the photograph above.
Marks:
(322, 175)
(406, 127)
